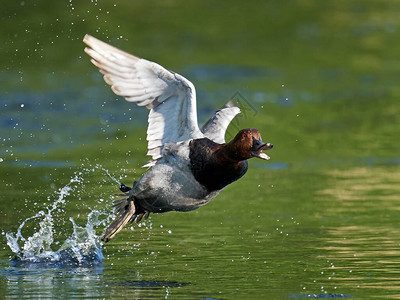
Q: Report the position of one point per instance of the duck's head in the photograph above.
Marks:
(248, 144)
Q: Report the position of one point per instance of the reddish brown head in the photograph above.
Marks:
(247, 144)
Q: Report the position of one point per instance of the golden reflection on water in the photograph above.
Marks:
(383, 183)
(362, 228)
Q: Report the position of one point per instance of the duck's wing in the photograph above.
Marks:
(215, 128)
(170, 97)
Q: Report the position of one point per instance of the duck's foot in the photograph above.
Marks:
(123, 188)
(140, 216)
(126, 213)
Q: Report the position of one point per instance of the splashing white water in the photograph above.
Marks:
(82, 247)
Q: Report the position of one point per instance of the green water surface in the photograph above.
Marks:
(319, 79)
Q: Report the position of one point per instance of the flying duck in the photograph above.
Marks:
(189, 166)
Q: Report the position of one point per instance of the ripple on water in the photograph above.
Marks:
(272, 165)
(41, 163)
(155, 283)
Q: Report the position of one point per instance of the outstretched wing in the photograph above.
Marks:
(215, 127)
(170, 97)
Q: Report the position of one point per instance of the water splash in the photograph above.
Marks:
(82, 247)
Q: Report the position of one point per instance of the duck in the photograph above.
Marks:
(189, 165)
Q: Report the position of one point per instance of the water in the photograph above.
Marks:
(79, 249)
(319, 220)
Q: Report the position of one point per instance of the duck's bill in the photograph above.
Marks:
(258, 153)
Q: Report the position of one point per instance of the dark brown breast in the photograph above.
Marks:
(211, 167)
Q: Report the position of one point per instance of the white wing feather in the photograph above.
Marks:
(170, 97)
(215, 128)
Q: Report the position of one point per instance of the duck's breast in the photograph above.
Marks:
(213, 173)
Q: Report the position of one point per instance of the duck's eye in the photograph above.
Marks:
(243, 136)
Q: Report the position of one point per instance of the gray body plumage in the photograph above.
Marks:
(170, 184)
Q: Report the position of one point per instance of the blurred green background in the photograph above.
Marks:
(320, 80)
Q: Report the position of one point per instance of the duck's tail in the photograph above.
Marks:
(127, 213)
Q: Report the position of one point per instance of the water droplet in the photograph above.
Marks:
(79, 248)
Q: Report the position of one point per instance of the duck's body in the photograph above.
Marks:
(189, 166)
(171, 183)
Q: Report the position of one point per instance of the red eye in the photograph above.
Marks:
(243, 136)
